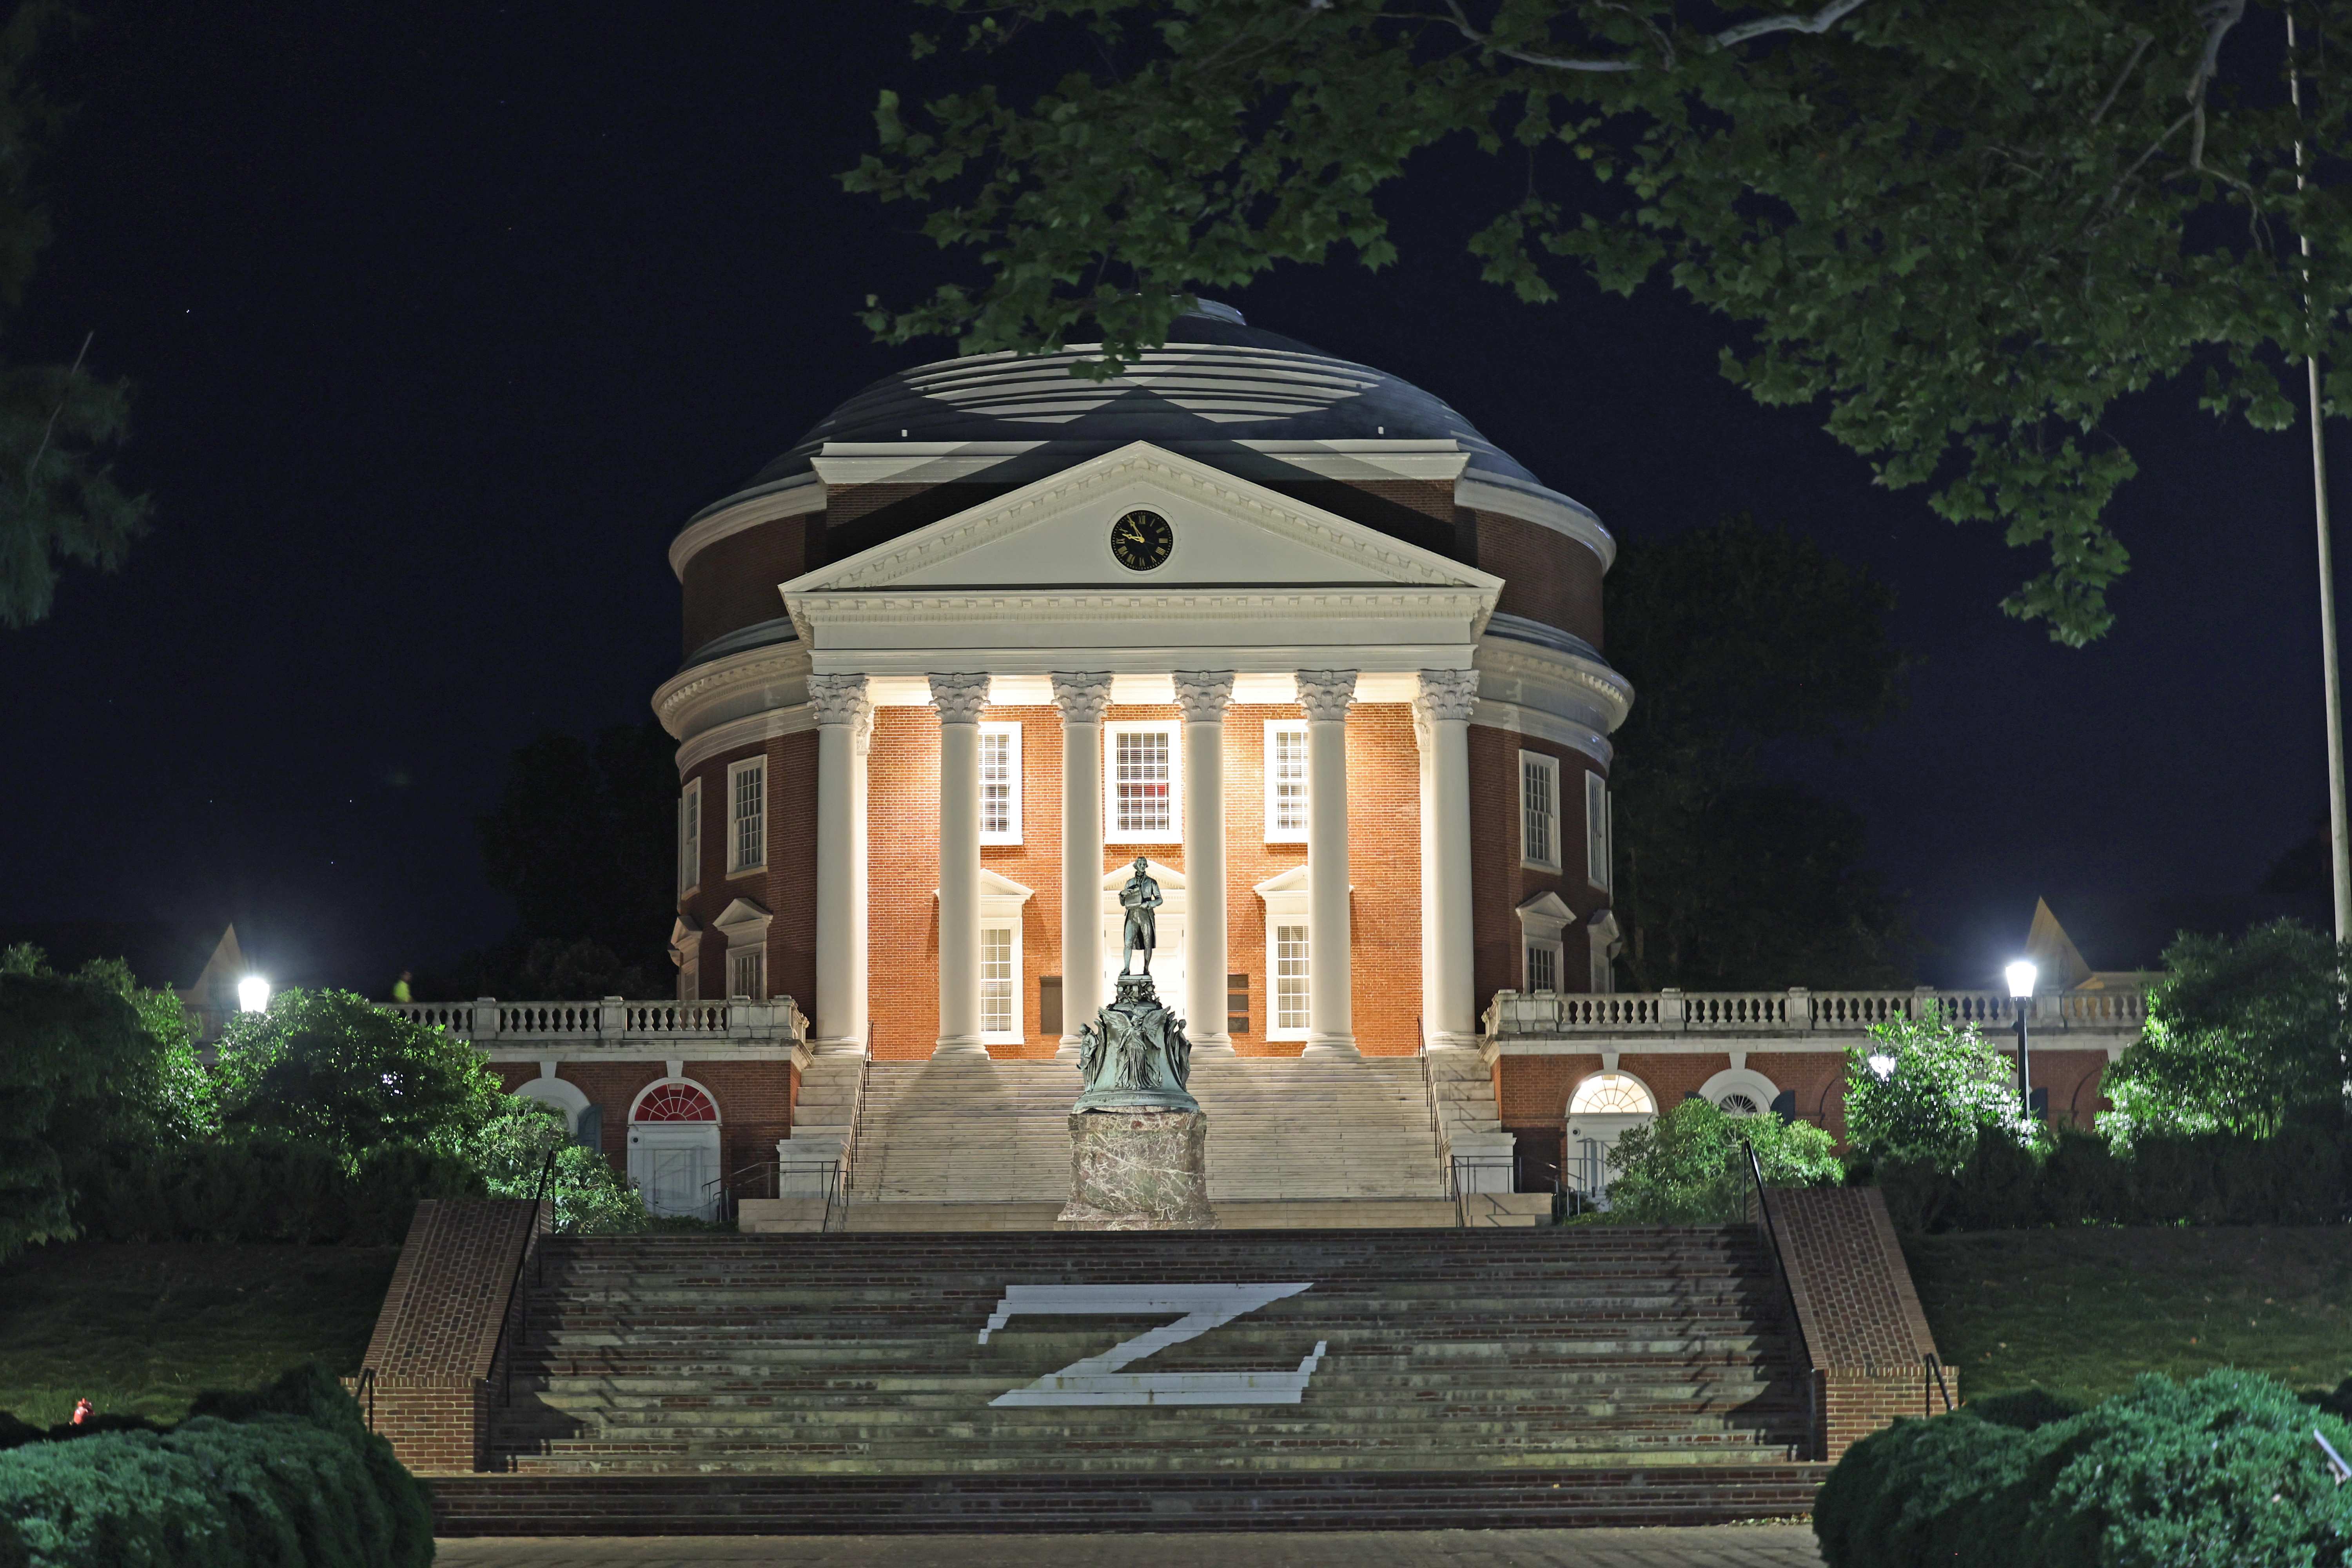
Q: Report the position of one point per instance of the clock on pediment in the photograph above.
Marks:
(1141, 540)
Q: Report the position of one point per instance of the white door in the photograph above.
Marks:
(673, 1167)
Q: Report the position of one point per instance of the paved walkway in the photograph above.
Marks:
(1730, 1546)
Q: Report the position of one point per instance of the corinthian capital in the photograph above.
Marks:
(1082, 698)
(1446, 694)
(1204, 694)
(1326, 694)
(839, 698)
(960, 699)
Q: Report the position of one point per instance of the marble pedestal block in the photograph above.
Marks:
(1139, 1170)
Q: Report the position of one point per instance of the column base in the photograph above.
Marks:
(1213, 1045)
(1332, 1045)
(1067, 1051)
(843, 1046)
(959, 1047)
(1438, 1042)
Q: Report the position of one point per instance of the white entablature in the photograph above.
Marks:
(1026, 584)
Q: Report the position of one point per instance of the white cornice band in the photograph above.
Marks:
(795, 497)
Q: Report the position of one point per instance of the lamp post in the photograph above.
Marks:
(253, 995)
(2021, 976)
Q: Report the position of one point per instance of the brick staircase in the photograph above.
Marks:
(1430, 1378)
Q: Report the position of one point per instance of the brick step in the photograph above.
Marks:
(751, 1505)
(1665, 1387)
(1470, 1300)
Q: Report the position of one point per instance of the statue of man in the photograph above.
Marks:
(1139, 899)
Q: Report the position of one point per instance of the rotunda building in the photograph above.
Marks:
(1284, 627)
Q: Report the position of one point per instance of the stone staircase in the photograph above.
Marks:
(1432, 1378)
(1285, 1129)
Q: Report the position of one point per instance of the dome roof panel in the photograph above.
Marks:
(1215, 380)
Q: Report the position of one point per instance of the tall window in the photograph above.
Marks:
(1538, 811)
(1286, 782)
(1289, 981)
(1000, 784)
(1543, 966)
(689, 837)
(747, 791)
(999, 982)
(1140, 804)
(747, 973)
(1596, 831)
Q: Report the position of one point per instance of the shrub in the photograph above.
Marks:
(331, 1068)
(1688, 1167)
(288, 1476)
(2298, 1177)
(590, 1199)
(1944, 1086)
(2222, 1471)
(268, 1189)
(2242, 1036)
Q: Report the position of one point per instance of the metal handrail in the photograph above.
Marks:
(856, 1115)
(366, 1386)
(1936, 1371)
(1429, 1095)
(726, 1188)
(506, 1323)
(1780, 1267)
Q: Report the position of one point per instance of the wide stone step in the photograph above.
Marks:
(685, 1504)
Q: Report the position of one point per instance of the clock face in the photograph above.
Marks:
(1141, 539)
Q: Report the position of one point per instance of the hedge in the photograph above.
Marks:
(2300, 1176)
(2221, 1472)
(263, 1190)
(288, 1478)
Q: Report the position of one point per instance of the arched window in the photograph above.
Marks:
(675, 1102)
(1740, 1091)
(1612, 1094)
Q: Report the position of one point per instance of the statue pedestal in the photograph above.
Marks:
(1139, 1170)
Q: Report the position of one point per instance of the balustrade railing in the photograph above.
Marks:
(1796, 1010)
(613, 1018)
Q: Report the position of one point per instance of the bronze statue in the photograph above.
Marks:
(1139, 899)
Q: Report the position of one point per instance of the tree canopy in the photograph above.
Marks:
(1737, 636)
(2243, 1036)
(1961, 228)
(60, 499)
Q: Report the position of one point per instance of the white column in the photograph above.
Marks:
(843, 715)
(1082, 700)
(1443, 710)
(960, 699)
(1325, 694)
(1203, 696)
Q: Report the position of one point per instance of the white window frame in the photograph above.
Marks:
(745, 925)
(1533, 856)
(755, 958)
(1287, 900)
(737, 866)
(1597, 825)
(1542, 919)
(1011, 832)
(1530, 952)
(689, 837)
(1276, 729)
(1014, 982)
(1174, 732)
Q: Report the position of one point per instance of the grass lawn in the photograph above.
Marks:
(141, 1330)
(2085, 1312)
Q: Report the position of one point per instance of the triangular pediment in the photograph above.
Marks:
(1225, 534)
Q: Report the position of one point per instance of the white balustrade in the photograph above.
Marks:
(1799, 1010)
(613, 1022)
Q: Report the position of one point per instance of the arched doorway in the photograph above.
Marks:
(674, 1148)
(1600, 1110)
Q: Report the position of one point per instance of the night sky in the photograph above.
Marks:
(444, 319)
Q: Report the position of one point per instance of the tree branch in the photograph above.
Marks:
(2122, 77)
(1820, 21)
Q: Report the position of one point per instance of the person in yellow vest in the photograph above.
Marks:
(400, 988)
